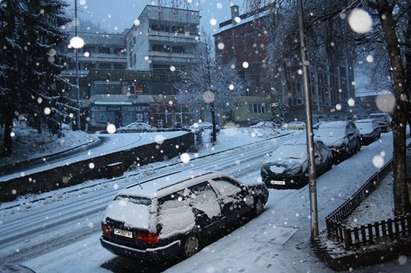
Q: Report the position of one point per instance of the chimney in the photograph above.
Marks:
(235, 12)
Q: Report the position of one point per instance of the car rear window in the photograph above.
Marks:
(134, 199)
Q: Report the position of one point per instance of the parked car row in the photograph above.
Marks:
(288, 166)
(174, 216)
(334, 141)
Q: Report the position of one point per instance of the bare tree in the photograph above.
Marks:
(208, 76)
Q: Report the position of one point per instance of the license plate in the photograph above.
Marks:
(124, 233)
(277, 182)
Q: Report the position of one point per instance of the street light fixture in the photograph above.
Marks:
(309, 129)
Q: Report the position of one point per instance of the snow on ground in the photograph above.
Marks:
(276, 241)
(29, 144)
(111, 143)
(229, 138)
(378, 206)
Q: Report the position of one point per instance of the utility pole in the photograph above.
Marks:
(212, 105)
(309, 129)
(78, 120)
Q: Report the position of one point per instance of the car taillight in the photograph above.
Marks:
(107, 230)
(148, 238)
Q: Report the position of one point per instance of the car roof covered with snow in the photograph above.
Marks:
(333, 124)
(165, 185)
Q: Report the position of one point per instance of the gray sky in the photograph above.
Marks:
(115, 15)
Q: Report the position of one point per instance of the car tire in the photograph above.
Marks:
(258, 207)
(190, 246)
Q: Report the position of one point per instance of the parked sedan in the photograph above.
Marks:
(288, 166)
(342, 137)
(383, 120)
(369, 129)
(175, 214)
(135, 127)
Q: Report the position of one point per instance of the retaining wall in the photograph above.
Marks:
(106, 166)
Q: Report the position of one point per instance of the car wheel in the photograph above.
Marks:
(191, 245)
(258, 207)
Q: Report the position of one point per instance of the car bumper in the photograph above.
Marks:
(157, 253)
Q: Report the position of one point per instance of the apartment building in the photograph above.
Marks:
(247, 41)
(164, 41)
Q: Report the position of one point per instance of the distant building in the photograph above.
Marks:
(118, 71)
(245, 40)
(163, 41)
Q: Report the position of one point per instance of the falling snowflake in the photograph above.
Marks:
(47, 111)
(360, 21)
(351, 102)
(213, 21)
(370, 58)
(159, 139)
(111, 128)
(76, 42)
(91, 165)
(385, 102)
(220, 46)
(245, 65)
(338, 107)
(378, 161)
(172, 68)
(231, 87)
(185, 158)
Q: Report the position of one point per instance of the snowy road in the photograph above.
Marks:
(33, 229)
(276, 241)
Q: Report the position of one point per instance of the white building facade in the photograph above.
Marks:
(162, 38)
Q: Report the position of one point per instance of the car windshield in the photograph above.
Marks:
(365, 126)
(286, 152)
(330, 132)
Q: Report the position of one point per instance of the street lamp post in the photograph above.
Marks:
(309, 129)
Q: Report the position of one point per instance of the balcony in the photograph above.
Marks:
(168, 36)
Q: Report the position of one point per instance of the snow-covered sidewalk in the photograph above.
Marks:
(378, 206)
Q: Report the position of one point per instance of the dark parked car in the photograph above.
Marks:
(370, 130)
(342, 137)
(288, 166)
(383, 120)
(173, 216)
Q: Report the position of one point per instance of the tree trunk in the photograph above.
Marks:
(401, 200)
(7, 139)
(408, 63)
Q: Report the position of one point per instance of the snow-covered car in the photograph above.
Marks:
(295, 125)
(204, 125)
(173, 215)
(135, 127)
(370, 130)
(342, 137)
(383, 120)
(288, 165)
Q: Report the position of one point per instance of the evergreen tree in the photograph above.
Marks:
(29, 64)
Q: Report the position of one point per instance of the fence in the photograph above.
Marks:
(370, 233)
